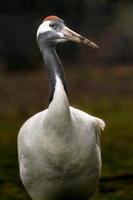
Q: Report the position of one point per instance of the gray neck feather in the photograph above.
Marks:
(54, 67)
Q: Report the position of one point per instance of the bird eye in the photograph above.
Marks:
(52, 25)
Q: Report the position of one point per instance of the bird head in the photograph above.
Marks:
(53, 30)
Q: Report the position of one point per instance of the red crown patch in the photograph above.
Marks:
(52, 17)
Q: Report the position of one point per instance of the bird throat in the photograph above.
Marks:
(54, 68)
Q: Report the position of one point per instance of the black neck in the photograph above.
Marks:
(54, 68)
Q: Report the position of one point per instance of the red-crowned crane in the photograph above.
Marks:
(59, 148)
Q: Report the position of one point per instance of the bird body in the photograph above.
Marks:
(59, 148)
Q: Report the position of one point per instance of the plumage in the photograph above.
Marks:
(59, 148)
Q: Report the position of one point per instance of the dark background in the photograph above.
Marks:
(100, 82)
(107, 22)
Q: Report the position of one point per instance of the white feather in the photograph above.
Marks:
(58, 143)
(44, 27)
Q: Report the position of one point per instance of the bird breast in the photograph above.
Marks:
(51, 158)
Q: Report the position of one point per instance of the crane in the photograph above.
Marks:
(59, 147)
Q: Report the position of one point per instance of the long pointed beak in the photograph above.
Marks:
(75, 37)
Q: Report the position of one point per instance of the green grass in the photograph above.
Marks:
(105, 93)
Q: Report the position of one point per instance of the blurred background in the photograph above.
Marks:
(99, 81)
